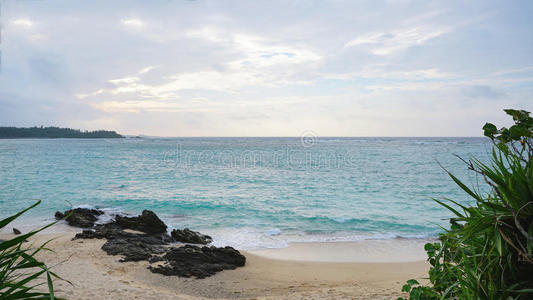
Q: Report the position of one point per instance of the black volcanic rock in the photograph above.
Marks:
(132, 249)
(188, 236)
(153, 244)
(133, 246)
(80, 217)
(199, 262)
(147, 222)
(109, 231)
(112, 231)
(89, 234)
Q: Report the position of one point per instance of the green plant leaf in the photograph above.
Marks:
(8, 220)
(490, 130)
(498, 241)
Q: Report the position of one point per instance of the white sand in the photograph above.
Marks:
(379, 251)
(301, 271)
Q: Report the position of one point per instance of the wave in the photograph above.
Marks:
(439, 143)
(365, 224)
(255, 239)
(263, 236)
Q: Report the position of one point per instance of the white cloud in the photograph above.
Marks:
(231, 82)
(211, 80)
(382, 73)
(136, 106)
(192, 105)
(125, 80)
(146, 70)
(406, 86)
(22, 22)
(257, 51)
(134, 23)
(131, 85)
(385, 43)
(259, 62)
(83, 96)
(433, 73)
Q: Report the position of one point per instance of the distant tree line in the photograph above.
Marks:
(54, 133)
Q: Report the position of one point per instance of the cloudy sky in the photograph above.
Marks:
(266, 68)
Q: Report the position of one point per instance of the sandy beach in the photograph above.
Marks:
(356, 270)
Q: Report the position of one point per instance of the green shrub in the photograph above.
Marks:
(19, 269)
(487, 252)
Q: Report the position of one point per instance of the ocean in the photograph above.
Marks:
(250, 193)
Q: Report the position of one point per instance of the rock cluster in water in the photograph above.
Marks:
(152, 243)
(80, 217)
(147, 222)
(192, 237)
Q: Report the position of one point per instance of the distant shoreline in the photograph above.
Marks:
(54, 133)
(57, 138)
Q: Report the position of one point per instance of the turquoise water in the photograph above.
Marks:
(246, 192)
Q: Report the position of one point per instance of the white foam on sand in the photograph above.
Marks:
(251, 239)
(367, 251)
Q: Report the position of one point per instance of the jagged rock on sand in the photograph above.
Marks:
(133, 246)
(16, 231)
(115, 231)
(147, 222)
(80, 217)
(132, 249)
(188, 236)
(200, 262)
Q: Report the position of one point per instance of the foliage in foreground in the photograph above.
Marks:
(19, 270)
(487, 252)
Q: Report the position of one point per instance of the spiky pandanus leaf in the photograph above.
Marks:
(488, 251)
(20, 271)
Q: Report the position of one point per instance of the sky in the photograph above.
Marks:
(266, 68)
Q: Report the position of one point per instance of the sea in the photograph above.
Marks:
(250, 193)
